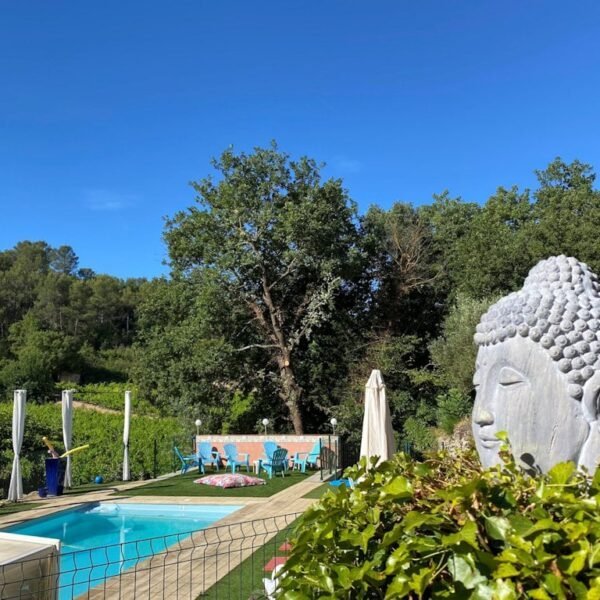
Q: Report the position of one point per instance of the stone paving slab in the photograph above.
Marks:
(56, 503)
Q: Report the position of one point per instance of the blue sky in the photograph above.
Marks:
(109, 109)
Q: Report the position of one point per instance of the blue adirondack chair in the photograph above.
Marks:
(269, 447)
(277, 463)
(236, 459)
(208, 456)
(302, 459)
(188, 461)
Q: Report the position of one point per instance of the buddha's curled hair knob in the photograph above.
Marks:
(558, 308)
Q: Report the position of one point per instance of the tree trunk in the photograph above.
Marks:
(272, 324)
(290, 394)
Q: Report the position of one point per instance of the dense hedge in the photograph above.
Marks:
(104, 433)
(446, 529)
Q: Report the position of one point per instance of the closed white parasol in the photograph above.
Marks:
(126, 473)
(67, 423)
(377, 433)
(15, 489)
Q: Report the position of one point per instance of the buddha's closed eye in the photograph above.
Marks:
(509, 377)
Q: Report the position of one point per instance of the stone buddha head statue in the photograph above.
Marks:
(538, 369)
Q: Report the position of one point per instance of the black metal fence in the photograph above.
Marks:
(227, 561)
(331, 459)
(339, 453)
(349, 452)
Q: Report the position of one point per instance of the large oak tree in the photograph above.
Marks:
(281, 241)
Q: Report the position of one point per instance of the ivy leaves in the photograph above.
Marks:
(446, 529)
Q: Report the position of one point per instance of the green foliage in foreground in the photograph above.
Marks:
(446, 529)
(103, 432)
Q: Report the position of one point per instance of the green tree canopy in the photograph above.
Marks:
(56, 319)
(281, 242)
(282, 298)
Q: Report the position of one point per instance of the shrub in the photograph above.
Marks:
(445, 528)
(151, 442)
(418, 430)
(451, 408)
(454, 351)
(241, 413)
(110, 364)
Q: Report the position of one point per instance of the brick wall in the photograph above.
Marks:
(253, 444)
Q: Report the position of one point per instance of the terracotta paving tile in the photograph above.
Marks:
(274, 562)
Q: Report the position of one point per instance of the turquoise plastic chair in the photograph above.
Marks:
(269, 447)
(188, 461)
(234, 459)
(208, 456)
(301, 459)
(277, 463)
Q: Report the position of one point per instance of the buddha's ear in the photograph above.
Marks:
(591, 398)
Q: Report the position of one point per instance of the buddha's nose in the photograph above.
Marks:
(484, 417)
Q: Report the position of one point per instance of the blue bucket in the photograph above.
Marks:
(55, 475)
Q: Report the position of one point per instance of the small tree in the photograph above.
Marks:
(454, 352)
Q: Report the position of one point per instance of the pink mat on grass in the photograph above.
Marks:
(230, 480)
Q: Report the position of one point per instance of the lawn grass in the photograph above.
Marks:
(91, 487)
(318, 492)
(15, 507)
(245, 581)
(183, 485)
(179, 485)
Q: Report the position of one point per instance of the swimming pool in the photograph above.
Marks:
(101, 540)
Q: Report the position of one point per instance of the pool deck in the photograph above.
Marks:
(200, 561)
(110, 494)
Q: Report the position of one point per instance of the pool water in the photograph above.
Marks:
(104, 539)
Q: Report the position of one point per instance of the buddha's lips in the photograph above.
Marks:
(489, 442)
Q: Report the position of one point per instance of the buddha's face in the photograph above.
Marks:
(520, 391)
